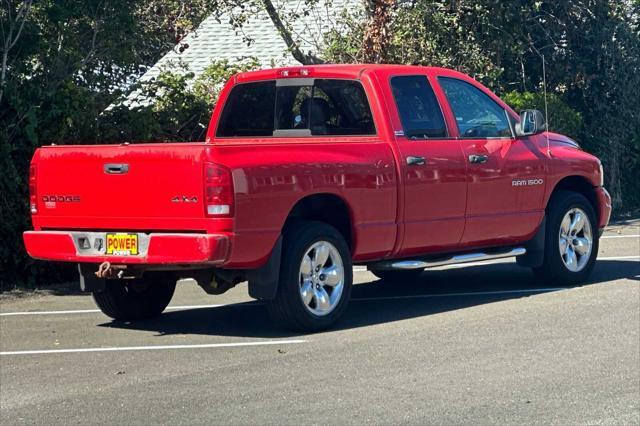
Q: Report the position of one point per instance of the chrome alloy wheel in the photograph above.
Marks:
(575, 239)
(321, 278)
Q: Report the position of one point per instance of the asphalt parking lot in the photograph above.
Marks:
(483, 344)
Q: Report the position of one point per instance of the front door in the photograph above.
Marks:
(432, 168)
(505, 175)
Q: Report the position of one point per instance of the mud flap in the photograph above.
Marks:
(535, 248)
(263, 282)
(88, 280)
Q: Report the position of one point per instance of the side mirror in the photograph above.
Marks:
(531, 122)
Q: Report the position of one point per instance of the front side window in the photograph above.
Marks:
(311, 108)
(418, 107)
(477, 115)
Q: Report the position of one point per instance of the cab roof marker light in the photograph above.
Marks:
(301, 72)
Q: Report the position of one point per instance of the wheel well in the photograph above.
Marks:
(580, 185)
(327, 208)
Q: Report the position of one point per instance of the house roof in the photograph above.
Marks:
(217, 39)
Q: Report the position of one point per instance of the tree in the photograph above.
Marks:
(376, 29)
(13, 17)
(591, 51)
(287, 37)
(180, 106)
(63, 63)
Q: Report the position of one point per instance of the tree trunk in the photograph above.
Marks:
(292, 45)
(9, 39)
(615, 184)
(377, 33)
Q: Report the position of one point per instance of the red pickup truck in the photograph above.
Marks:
(306, 171)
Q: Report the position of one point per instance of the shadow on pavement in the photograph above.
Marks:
(251, 319)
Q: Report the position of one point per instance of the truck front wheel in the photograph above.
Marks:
(133, 299)
(571, 240)
(315, 277)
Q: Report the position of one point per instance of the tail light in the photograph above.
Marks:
(218, 190)
(33, 195)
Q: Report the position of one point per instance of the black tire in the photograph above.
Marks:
(288, 308)
(399, 276)
(553, 269)
(136, 299)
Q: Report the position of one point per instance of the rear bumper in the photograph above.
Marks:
(156, 249)
(604, 206)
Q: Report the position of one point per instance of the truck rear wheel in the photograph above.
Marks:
(133, 299)
(315, 277)
(571, 240)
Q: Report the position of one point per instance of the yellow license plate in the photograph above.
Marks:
(122, 244)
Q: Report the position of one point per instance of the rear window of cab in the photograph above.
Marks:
(296, 108)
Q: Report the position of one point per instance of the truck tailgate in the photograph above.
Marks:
(146, 186)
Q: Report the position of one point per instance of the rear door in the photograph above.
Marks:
(432, 168)
(505, 174)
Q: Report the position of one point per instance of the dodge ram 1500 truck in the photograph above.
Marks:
(306, 171)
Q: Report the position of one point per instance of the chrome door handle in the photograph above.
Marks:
(478, 159)
(116, 169)
(416, 161)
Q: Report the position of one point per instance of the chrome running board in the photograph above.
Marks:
(456, 259)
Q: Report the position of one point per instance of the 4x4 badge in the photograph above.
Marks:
(184, 199)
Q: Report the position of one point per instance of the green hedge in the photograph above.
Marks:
(562, 118)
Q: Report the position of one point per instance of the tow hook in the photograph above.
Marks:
(108, 271)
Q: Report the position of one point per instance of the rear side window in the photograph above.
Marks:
(311, 108)
(418, 107)
(346, 106)
(477, 115)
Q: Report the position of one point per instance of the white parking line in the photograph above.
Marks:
(75, 311)
(154, 348)
(93, 311)
(619, 257)
(184, 307)
(607, 237)
(175, 308)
